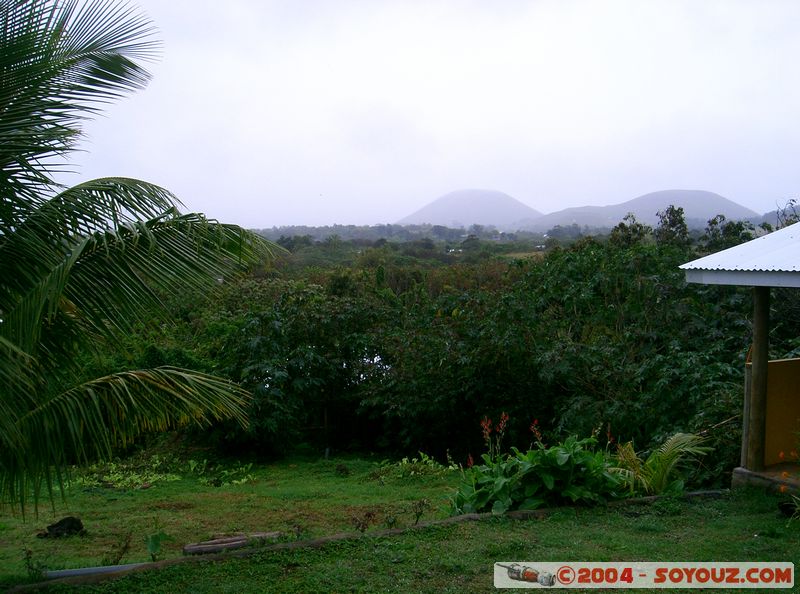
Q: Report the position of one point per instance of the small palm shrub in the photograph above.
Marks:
(659, 473)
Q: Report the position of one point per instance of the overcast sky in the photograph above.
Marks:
(280, 112)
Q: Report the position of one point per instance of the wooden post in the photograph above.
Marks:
(758, 387)
(748, 384)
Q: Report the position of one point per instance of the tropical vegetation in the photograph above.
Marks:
(401, 347)
(393, 349)
(81, 266)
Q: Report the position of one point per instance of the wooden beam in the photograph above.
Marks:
(758, 387)
(748, 384)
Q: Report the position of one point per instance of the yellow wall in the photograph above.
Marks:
(783, 410)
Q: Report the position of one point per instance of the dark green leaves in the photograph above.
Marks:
(569, 472)
(87, 263)
(58, 60)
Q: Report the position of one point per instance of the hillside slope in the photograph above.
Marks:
(463, 208)
(699, 206)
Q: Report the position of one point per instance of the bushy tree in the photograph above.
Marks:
(629, 231)
(621, 338)
(672, 229)
(720, 233)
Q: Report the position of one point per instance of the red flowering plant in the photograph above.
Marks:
(537, 435)
(486, 428)
(493, 446)
(572, 471)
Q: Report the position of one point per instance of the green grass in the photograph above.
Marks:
(743, 526)
(297, 498)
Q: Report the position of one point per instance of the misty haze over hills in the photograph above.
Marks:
(698, 206)
(463, 208)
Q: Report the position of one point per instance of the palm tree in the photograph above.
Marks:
(81, 265)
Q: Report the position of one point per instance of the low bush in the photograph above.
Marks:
(411, 467)
(573, 471)
(658, 473)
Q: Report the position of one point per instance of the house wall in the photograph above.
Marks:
(783, 410)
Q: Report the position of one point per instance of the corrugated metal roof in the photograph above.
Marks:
(772, 260)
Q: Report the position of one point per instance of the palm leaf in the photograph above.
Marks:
(58, 59)
(662, 463)
(655, 474)
(630, 467)
(86, 256)
(87, 262)
(19, 381)
(89, 420)
(91, 206)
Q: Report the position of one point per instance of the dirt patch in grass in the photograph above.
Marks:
(173, 505)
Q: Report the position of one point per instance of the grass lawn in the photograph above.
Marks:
(311, 499)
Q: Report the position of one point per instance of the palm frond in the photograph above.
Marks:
(89, 420)
(128, 267)
(86, 256)
(19, 381)
(41, 246)
(93, 205)
(662, 463)
(86, 262)
(630, 467)
(58, 60)
(654, 475)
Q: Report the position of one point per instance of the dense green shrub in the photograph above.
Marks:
(305, 355)
(622, 338)
(573, 471)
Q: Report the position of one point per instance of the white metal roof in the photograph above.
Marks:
(772, 260)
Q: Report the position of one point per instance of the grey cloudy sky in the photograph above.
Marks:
(279, 112)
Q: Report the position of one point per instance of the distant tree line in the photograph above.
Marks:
(288, 235)
(392, 233)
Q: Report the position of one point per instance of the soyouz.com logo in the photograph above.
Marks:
(690, 574)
